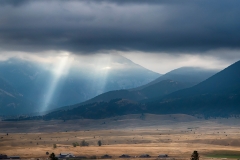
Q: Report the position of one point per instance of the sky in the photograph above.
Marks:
(159, 35)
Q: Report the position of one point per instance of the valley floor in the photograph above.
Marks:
(175, 135)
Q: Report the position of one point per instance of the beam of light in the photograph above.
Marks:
(101, 74)
(58, 71)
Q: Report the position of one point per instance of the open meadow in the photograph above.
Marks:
(175, 135)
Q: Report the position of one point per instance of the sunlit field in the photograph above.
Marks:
(175, 135)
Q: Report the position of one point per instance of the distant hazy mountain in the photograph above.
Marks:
(10, 99)
(170, 82)
(189, 75)
(37, 83)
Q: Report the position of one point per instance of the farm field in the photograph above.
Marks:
(175, 135)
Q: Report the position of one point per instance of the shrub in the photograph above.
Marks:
(99, 143)
(74, 144)
(54, 146)
(84, 143)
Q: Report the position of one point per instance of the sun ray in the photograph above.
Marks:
(101, 73)
(57, 73)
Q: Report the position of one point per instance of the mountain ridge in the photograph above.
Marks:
(209, 98)
(219, 95)
(193, 74)
(33, 80)
(158, 88)
(154, 91)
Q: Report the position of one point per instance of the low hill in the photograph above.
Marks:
(96, 110)
(159, 89)
(156, 90)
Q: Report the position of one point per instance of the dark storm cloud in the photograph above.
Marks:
(92, 26)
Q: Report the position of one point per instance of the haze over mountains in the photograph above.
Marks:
(28, 87)
(120, 102)
(218, 95)
(187, 90)
(172, 81)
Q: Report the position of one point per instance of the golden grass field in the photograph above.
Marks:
(175, 135)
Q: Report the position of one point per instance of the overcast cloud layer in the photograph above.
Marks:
(85, 27)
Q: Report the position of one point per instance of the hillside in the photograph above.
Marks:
(97, 110)
(12, 100)
(170, 82)
(156, 90)
(217, 96)
(159, 89)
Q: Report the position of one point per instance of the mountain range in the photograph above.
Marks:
(217, 96)
(28, 87)
(186, 90)
(174, 80)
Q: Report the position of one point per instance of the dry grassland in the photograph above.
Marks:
(175, 135)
